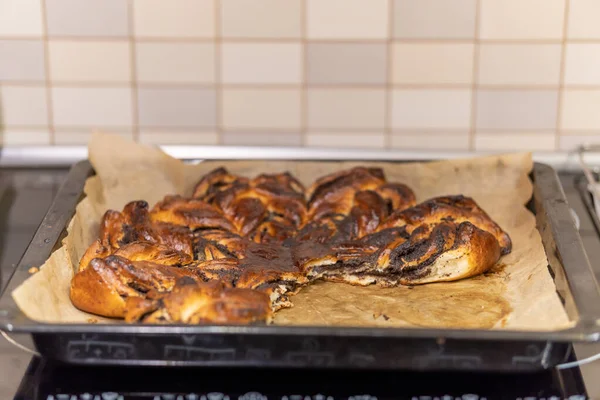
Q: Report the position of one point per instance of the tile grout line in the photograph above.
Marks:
(387, 137)
(48, 83)
(120, 128)
(268, 86)
(135, 114)
(475, 77)
(217, 41)
(199, 39)
(561, 76)
(304, 87)
(324, 129)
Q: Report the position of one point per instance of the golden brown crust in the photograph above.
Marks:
(257, 241)
(334, 194)
(102, 287)
(449, 208)
(191, 302)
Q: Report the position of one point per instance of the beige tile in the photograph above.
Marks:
(174, 18)
(23, 106)
(434, 19)
(179, 138)
(253, 109)
(363, 140)
(516, 109)
(580, 110)
(16, 137)
(276, 63)
(175, 62)
(337, 63)
(519, 64)
(89, 61)
(347, 19)
(583, 19)
(431, 140)
(572, 142)
(100, 18)
(261, 18)
(21, 18)
(22, 60)
(262, 138)
(177, 107)
(522, 141)
(420, 63)
(521, 19)
(93, 107)
(431, 109)
(582, 64)
(73, 137)
(346, 109)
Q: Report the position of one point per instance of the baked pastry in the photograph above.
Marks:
(191, 302)
(237, 249)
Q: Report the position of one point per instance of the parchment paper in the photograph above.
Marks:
(519, 293)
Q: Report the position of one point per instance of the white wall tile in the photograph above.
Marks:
(519, 64)
(421, 63)
(346, 109)
(583, 19)
(275, 63)
(507, 110)
(23, 105)
(174, 137)
(92, 107)
(521, 19)
(18, 137)
(95, 18)
(435, 19)
(181, 107)
(174, 18)
(580, 110)
(175, 62)
(22, 60)
(21, 18)
(78, 137)
(582, 64)
(510, 141)
(431, 109)
(89, 61)
(261, 18)
(255, 109)
(347, 19)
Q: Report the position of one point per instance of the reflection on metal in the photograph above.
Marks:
(62, 156)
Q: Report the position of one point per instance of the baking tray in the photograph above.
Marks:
(317, 346)
(583, 187)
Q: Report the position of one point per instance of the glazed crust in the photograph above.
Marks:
(237, 249)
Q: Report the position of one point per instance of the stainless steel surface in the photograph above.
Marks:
(64, 156)
(591, 242)
(25, 196)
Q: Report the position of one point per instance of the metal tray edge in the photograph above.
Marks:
(68, 196)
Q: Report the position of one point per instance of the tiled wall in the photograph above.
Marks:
(434, 74)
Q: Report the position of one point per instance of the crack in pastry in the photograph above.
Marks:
(239, 248)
